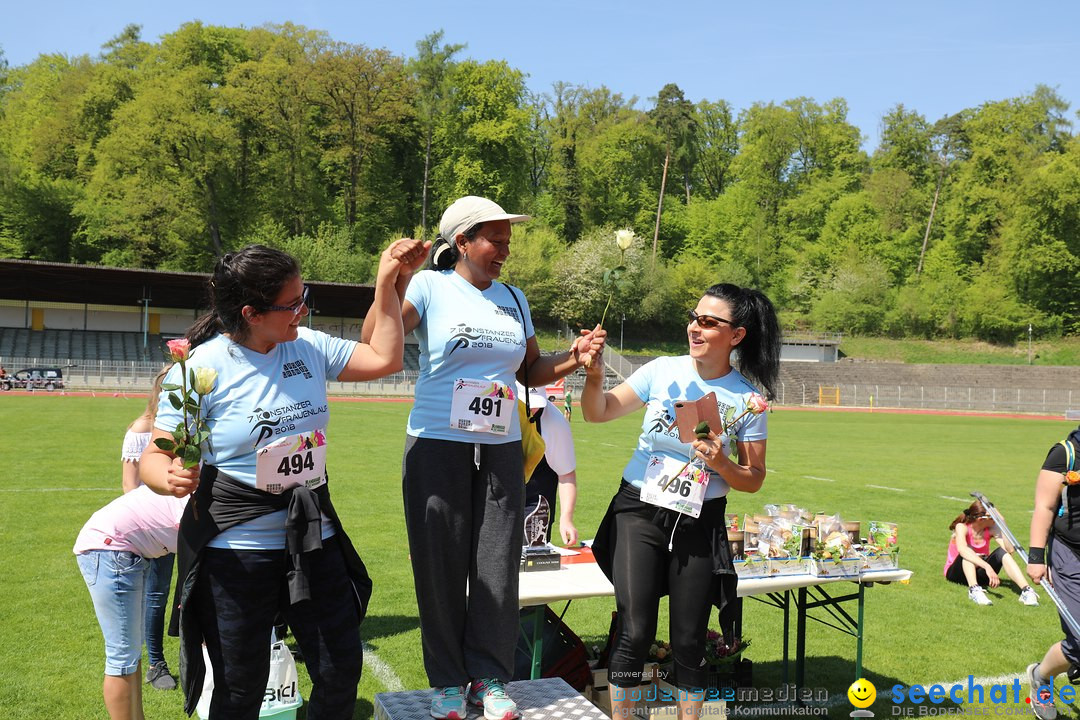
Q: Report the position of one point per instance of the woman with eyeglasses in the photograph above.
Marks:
(260, 534)
(969, 561)
(650, 544)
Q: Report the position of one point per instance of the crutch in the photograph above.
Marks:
(1019, 550)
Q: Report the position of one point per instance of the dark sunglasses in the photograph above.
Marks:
(707, 322)
(294, 309)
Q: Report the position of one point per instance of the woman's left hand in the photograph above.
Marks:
(708, 449)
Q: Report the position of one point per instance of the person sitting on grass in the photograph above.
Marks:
(970, 562)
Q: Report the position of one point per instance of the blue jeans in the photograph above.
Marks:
(116, 580)
(158, 583)
(237, 596)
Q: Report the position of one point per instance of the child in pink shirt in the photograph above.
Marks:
(113, 551)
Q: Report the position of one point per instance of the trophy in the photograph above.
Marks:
(537, 554)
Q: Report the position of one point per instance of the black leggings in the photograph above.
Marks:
(955, 573)
(643, 567)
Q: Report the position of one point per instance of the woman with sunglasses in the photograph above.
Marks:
(969, 560)
(261, 535)
(649, 550)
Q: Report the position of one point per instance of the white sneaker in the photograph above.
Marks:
(1028, 596)
(978, 595)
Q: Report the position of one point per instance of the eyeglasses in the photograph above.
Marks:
(707, 322)
(294, 309)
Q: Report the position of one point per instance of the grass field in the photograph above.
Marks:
(61, 458)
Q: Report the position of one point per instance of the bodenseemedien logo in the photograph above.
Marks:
(862, 694)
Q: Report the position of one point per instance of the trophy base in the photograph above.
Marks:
(534, 559)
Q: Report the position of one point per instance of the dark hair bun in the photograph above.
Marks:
(443, 254)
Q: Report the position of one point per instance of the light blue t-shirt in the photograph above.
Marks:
(467, 333)
(663, 382)
(259, 398)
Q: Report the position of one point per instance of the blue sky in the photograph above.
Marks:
(935, 57)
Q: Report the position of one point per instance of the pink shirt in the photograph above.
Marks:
(981, 549)
(140, 521)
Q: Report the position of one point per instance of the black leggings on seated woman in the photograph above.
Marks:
(642, 567)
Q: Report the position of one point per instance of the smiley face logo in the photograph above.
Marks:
(862, 693)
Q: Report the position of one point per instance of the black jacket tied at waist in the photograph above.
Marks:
(222, 502)
(711, 522)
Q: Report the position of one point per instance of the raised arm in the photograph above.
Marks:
(599, 406)
(544, 369)
(401, 284)
(381, 354)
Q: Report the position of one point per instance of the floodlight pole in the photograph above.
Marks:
(145, 302)
(1029, 343)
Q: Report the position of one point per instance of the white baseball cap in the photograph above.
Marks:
(469, 211)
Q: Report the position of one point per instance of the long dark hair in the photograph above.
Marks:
(974, 511)
(759, 351)
(445, 253)
(253, 276)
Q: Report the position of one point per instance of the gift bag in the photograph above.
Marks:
(282, 697)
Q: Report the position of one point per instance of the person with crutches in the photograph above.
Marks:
(1054, 557)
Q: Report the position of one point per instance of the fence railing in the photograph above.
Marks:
(930, 397)
(136, 376)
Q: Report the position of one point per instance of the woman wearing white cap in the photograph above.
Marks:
(462, 470)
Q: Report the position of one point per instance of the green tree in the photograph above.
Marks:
(430, 67)
(674, 119)
(718, 144)
(482, 138)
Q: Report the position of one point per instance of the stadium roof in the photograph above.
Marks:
(61, 282)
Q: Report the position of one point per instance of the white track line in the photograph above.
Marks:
(383, 672)
(883, 487)
(815, 477)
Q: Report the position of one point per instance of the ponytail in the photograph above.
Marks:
(206, 327)
(973, 512)
(759, 351)
(445, 253)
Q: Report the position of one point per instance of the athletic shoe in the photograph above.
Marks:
(491, 694)
(159, 677)
(449, 704)
(978, 595)
(1041, 695)
(1028, 596)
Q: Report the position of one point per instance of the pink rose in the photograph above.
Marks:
(756, 404)
(179, 349)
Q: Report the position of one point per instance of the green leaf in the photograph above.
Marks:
(702, 430)
(165, 444)
(180, 434)
(191, 456)
(175, 400)
(169, 386)
(191, 377)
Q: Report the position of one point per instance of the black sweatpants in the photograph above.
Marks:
(642, 567)
(465, 525)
